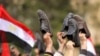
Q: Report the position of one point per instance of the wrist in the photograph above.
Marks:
(49, 49)
(61, 48)
(61, 45)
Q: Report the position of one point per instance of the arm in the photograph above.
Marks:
(84, 45)
(70, 48)
(83, 40)
(61, 42)
(48, 42)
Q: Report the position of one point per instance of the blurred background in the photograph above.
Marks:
(25, 11)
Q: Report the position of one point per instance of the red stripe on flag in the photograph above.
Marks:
(4, 45)
(90, 39)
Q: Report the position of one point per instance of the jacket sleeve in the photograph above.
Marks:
(48, 54)
(87, 53)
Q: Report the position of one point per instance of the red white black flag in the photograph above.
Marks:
(14, 27)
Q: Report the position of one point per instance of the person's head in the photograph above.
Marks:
(14, 51)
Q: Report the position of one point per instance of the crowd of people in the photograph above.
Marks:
(73, 40)
(62, 43)
(66, 47)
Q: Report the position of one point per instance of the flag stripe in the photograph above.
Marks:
(18, 42)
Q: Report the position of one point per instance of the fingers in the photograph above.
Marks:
(61, 41)
(82, 36)
(70, 45)
(46, 35)
(59, 33)
(59, 36)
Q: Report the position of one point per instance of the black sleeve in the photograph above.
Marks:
(87, 53)
(48, 54)
(40, 45)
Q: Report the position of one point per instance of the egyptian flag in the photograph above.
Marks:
(19, 32)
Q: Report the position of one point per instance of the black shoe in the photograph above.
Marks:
(44, 22)
(70, 29)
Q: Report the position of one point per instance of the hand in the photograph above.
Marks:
(83, 40)
(47, 39)
(70, 45)
(60, 39)
(82, 36)
(69, 51)
(14, 51)
(48, 42)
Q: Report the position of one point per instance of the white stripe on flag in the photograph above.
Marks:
(16, 30)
